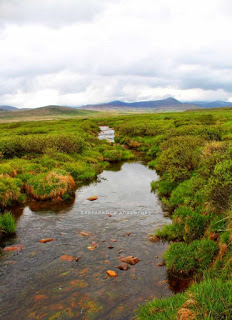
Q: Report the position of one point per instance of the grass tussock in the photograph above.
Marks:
(209, 300)
(7, 223)
(10, 191)
(52, 185)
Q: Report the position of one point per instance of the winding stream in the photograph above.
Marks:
(37, 284)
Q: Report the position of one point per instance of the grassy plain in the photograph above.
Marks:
(191, 151)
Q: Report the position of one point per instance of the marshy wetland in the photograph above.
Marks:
(50, 169)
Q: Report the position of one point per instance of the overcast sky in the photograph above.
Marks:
(75, 52)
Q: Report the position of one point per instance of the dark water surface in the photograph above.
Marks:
(37, 284)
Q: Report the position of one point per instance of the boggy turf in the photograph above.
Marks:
(192, 153)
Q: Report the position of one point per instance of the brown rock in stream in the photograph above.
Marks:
(85, 234)
(112, 273)
(17, 247)
(93, 246)
(65, 257)
(161, 264)
(130, 260)
(123, 266)
(92, 198)
(46, 240)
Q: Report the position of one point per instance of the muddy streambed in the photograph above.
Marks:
(37, 284)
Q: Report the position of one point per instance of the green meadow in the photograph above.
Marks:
(192, 153)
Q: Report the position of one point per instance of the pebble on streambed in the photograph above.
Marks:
(93, 198)
(112, 273)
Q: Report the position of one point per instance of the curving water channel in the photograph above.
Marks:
(37, 284)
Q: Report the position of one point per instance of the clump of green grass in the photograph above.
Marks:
(187, 225)
(186, 259)
(209, 300)
(163, 186)
(117, 154)
(80, 171)
(7, 223)
(51, 185)
(10, 191)
(188, 193)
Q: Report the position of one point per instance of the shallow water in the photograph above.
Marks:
(106, 133)
(37, 284)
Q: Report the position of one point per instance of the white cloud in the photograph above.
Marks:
(50, 12)
(85, 51)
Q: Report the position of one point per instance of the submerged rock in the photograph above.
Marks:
(93, 246)
(161, 264)
(46, 240)
(130, 260)
(17, 247)
(123, 266)
(66, 257)
(85, 234)
(112, 273)
(92, 198)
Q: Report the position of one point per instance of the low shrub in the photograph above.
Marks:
(211, 154)
(188, 193)
(6, 168)
(179, 157)
(219, 188)
(18, 146)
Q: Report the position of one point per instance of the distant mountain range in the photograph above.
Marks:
(214, 104)
(7, 108)
(165, 104)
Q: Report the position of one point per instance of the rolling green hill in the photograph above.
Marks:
(44, 113)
